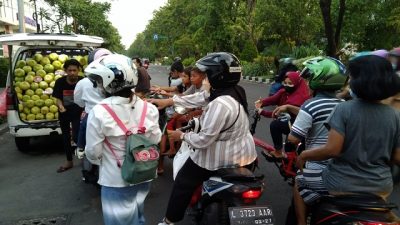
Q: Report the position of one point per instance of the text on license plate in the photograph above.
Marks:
(261, 215)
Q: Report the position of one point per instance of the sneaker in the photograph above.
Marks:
(80, 153)
(165, 223)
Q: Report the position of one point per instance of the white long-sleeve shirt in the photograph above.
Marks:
(101, 125)
(196, 100)
(85, 95)
(215, 149)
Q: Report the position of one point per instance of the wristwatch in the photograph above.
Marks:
(182, 136)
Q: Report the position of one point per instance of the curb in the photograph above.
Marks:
(257, 79)
(3, 128)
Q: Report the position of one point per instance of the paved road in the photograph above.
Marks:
(30, 187)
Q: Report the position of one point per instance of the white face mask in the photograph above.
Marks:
(394, 66)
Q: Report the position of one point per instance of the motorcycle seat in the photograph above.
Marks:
(360, 201)
(236, 174)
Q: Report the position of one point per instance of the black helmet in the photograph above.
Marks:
(222, 68)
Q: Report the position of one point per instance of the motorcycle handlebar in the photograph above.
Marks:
(190, 125)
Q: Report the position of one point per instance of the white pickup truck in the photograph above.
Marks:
(36, 61)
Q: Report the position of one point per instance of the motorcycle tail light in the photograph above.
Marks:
(251, 194)
(375, 223)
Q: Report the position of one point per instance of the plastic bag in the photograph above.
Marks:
(181, 157)
(3, 102)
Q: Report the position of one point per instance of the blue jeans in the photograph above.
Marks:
(124, 205)
(82, 132)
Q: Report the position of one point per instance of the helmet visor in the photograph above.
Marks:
(306, 73)
(201, 67)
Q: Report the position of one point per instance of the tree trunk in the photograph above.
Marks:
(325, 6)
(342, 9)
(332, 36)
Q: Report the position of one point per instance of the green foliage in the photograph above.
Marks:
(4, 65)
(261, 67)
(248, 28)
(167, 61)
(87, 18)
(305, 51)
(279, 49)
(249, 51)
(189, 61)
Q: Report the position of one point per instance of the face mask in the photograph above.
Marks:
(289, 89)
(352, 94)
(394, 66)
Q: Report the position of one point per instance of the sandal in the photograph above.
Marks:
(272, 157)
(63, 169)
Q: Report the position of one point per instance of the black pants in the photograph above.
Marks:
(189, 178)
(66, 121)
(277, 129)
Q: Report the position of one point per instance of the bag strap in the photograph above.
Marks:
(117, 120)
(141, 127)
(113, 152)
(237, 117)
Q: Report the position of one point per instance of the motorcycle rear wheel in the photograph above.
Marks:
(215, 213)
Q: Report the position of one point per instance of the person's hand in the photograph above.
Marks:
(258, 104)
(62, 108)
(174, 135)
(206, 85)
(259, 110)
(155, 88)
(162, 92)
(162, 103)
(300, 162)
(278, 110)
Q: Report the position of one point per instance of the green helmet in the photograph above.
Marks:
(324, 73)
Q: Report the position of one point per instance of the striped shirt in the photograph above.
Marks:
(215, 149)
(310, 122)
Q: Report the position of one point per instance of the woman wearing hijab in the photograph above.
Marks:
(294, 93)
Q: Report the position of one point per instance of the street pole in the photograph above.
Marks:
(21, 16)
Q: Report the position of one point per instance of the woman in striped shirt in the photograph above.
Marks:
(224, 139)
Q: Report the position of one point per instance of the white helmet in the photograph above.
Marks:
(114, 72)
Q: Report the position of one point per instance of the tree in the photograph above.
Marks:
(332, 35)
(272, 27)
(87, 18)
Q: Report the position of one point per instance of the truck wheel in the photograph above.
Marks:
(22, 143)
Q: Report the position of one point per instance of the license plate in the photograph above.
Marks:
(259, 215)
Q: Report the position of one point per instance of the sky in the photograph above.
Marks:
(130, 17)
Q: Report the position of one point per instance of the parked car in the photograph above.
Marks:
(36, 61)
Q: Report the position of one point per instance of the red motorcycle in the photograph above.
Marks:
(287, 166)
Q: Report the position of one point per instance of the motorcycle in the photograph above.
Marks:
(361, 209)
(229, 197)
(286, 166)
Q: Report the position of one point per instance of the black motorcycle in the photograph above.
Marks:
(358, 209)
(229, 197)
